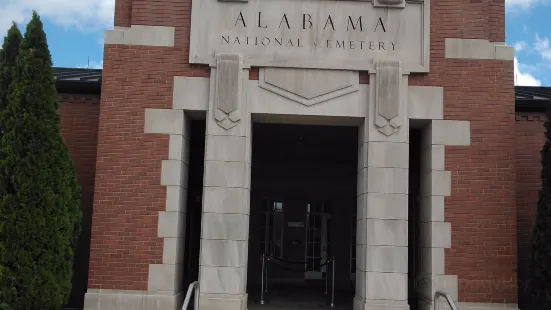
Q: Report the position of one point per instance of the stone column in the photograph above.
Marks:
(382, 255)
(226, 194)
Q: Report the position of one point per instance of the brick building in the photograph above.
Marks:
(379, 141)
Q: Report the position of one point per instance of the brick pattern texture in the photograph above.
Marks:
(79, 115)
(79, 127)
(482, 208)
(128, 192)
(530, 139)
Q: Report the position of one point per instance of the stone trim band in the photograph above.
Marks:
(141, 35)
(477, 49)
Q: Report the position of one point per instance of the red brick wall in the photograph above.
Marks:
(79, 127)
(128, 193)
(530, 139)
(481, 210)
(79, 115)
(123, 13)
(482, 207)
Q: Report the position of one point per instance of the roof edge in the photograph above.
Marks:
(78, 80)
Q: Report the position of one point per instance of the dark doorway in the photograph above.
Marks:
(414, 245)
(303, 212)
(194, 201)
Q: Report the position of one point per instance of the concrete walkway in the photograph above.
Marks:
(290, 298)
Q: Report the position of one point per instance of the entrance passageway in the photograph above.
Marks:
(303, 213)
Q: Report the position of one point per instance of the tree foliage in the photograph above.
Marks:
(40, 196)
(8, 56)
(541, 248)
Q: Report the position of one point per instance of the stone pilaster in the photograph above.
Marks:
(167, 276)
(382, 258)
(226, 194)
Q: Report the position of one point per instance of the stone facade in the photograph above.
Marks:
(461, 99)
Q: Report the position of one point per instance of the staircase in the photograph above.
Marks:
(302, 299)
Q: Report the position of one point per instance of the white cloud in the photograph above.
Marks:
(522, 4)
(537, 55)
(519, 46)
(85, 15)
(96, 65)
(524, 78)
(541, 45)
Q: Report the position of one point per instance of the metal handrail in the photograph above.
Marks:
(448, 298)
(192, 287)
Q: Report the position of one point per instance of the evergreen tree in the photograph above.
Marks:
(8, 55)
(541, 247)
(40, 202)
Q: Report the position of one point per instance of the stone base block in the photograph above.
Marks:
(360, 304)
(484, 306)
(222, 302)
(135, 300)
(443, 305)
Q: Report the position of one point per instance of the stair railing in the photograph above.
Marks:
(446, 296)
(192, 287)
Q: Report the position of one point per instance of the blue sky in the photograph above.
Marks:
(75, 30)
